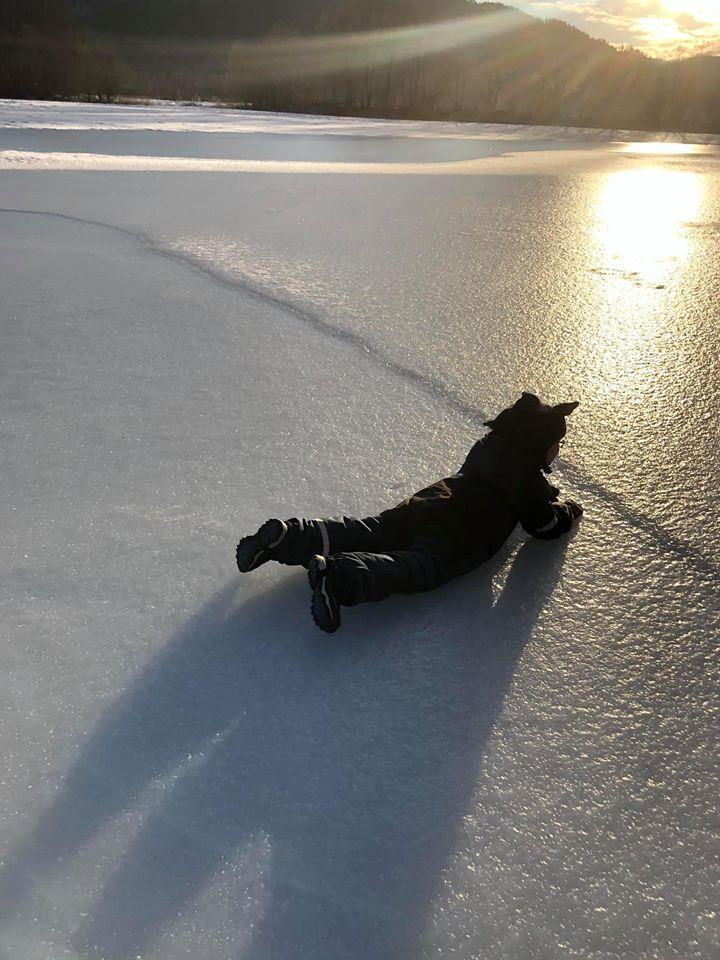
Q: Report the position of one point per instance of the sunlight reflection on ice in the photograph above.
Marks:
(643, 244)
(662, 148)
(641, 218)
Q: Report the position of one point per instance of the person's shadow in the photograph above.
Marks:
(355, 757)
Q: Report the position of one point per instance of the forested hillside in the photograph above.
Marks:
(449, 59)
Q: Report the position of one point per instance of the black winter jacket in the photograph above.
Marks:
(475, 511)
(517, 477)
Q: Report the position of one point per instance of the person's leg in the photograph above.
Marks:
(295, 542)
(346, 579)
(368, 535)
(358, 576)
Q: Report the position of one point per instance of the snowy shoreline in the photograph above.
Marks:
(183, 117)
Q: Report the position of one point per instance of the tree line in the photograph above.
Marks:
(424, 59)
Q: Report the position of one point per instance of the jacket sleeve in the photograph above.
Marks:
(546, 521)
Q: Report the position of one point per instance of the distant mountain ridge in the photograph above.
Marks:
(283, 55)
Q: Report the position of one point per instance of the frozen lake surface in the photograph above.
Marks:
(210, 317)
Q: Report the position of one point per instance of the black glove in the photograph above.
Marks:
(576, 511)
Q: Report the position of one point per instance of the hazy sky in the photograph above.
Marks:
(666, 28)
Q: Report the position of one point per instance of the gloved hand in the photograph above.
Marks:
(576, 511)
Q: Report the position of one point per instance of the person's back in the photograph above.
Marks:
(438, 533)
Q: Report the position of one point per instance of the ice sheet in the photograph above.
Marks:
(521, 764)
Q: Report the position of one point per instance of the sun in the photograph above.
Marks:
(680, 26)
(706, 11)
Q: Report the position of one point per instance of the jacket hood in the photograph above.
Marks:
(533, 426)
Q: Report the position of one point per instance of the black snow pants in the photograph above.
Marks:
(416, 546)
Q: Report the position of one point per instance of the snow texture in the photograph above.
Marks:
(196, 335)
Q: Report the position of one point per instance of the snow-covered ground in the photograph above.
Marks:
(210, 317)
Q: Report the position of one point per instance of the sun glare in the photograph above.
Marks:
(678, 25)
(643, 246)
(704, 10)
(661, 148)
(659, 30)
(641, 217)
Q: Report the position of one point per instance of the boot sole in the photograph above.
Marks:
(250, 550)
(321, 605)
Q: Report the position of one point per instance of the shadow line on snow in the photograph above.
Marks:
(356, 758)
(434, 388)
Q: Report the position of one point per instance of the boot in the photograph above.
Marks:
(324, 607)
(257, 549)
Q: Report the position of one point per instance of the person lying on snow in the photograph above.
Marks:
(437, 534)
